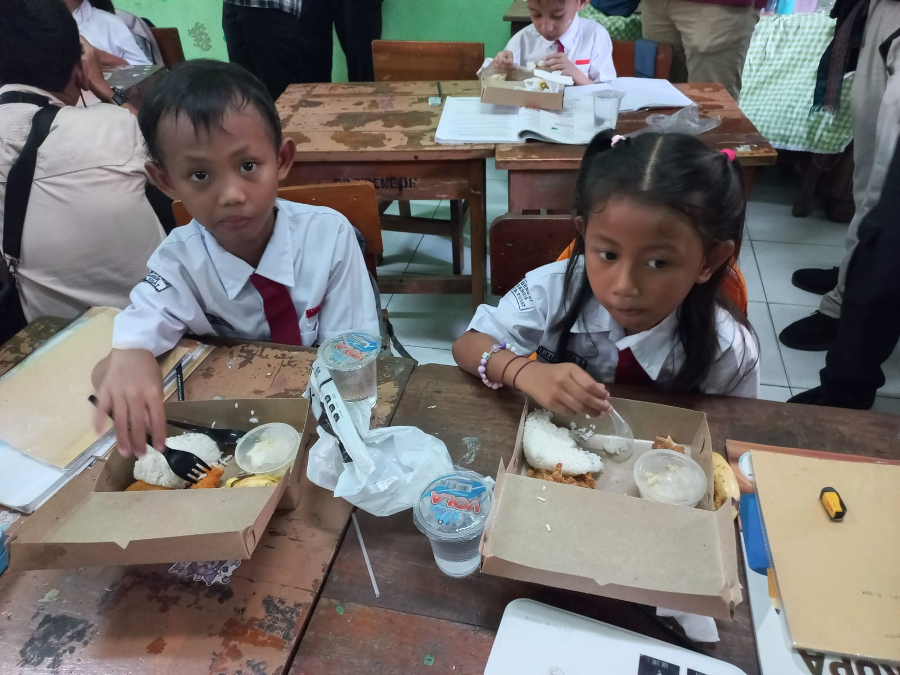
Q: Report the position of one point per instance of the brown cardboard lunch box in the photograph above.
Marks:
(609, 541)
(505, 92)
(93, 522)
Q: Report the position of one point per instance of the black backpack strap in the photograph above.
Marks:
(21, 176)
(24, 97)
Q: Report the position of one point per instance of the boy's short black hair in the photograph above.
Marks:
(204, 91)
(39, 44)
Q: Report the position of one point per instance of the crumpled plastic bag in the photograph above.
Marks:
(685, 121)
(381, 471)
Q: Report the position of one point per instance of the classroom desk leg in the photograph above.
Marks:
(479, 228)
(749, 180)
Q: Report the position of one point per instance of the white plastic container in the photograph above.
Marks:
(669, 477)
(350, 358)
(452, 512)
(267, 448)
(606, 108)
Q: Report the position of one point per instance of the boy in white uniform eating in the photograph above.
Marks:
(249, 265)
(563, 42)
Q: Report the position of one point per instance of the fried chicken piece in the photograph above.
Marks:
(584, 480)
(141, 486)
(211, 479)
(667, 444)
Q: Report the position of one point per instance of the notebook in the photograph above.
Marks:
(640, 93)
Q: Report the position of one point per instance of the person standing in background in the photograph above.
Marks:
(356, 22)
(710, 37)
(267, 38)
(108, 34)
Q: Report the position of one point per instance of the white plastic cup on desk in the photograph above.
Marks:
(452, 512)
(606, 108)
(351, 361)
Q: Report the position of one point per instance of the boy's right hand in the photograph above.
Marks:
(504, 61)
(131, 393)
(564, 388)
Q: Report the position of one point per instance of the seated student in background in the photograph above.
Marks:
(563, 41)
(88, 228)
(248, 266)
(108, 34)
(640, 301)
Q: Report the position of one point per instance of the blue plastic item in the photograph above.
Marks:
(616, 7)
(4, 555)
(644, 58)
(754, 535)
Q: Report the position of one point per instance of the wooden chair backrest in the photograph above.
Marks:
(520, 244)
(169, 42)
(623, 59)
(410, 61)
(356, 201)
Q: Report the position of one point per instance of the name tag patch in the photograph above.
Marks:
(218, 321)
(159, 283)
(522, 295)
(583, 62)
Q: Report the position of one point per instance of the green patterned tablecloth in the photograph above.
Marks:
(779, 80)
(618, 27)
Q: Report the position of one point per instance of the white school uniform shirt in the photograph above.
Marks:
(108, 32)
(525, 316)
(586, 43)
(196, 286)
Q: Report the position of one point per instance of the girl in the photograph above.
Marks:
(639, 301)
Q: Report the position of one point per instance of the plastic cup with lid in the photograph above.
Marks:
(267, 448)
(452, 512)
(606, 108)
(350, 359)
(669, 477)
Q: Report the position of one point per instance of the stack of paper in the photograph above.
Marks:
(640, 93)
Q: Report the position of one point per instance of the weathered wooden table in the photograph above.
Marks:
(143, 619)
(383, 133)
(542, 175)
(423, 615)
(133, 80)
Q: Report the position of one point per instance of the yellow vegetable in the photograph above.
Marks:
(252, 481)
(725, 484)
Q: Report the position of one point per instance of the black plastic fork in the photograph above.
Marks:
(221, 436)
(187, 466)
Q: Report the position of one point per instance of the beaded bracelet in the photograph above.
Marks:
(482, 369)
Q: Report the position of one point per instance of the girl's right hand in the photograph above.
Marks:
(505, 61)
(564, 388)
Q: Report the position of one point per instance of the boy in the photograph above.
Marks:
(249, 265)
(563, 42)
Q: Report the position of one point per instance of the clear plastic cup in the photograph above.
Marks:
(669, 477)
(452, 512)
(267, 448)
(350, 359)
(606, 108)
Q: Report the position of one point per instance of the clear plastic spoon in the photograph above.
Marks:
(619, 447)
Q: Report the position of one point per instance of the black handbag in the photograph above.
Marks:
(18, 190)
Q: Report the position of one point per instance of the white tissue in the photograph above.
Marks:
(697, 628)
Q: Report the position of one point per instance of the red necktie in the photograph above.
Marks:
(559, 48)
(279, 310)
(629, 371)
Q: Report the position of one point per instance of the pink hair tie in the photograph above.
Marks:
(615, 139)
(729, 153)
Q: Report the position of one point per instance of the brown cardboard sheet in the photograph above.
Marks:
(617, 545)
(505, 92)
(93, 522)
(839, 581)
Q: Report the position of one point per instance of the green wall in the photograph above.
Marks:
(200, 23)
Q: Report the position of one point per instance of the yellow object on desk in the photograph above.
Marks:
(833, 503)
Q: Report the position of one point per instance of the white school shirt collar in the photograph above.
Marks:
(276, 264)
(83, 13)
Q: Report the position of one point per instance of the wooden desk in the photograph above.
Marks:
(518, 16)
(423, 613)
(542, 175)
(384, 133)
(134, 80)
(141, 619)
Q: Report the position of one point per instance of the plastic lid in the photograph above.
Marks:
(455, 506)
(267, 448)
(350, 351)
(669, 477)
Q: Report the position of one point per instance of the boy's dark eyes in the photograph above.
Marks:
(608, 255)
(199, 175)
(657, 264)
(248, 166)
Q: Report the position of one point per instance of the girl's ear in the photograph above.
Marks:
(714, 259)
(580, 226)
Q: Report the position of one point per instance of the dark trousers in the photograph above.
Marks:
(870, 316)
(269, 43)
(356, 22)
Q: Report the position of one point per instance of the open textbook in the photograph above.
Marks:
(468, 120)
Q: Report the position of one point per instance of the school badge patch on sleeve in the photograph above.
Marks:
(522, 296)
(158, 282)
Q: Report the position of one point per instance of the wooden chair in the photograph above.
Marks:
(411, 61)
(520, 244)
(356, 201)
(169, 42)
(623, 59)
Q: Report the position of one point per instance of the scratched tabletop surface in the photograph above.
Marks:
(213, 617)
(373, 121)
(735, 132)
(423, 617)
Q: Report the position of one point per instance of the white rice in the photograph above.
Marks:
(152, 467)
(547, 445)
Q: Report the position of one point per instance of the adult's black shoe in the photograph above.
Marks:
(815, 333)
(816, 281)
(818, 396)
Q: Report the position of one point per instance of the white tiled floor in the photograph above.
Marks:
(775, 245)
